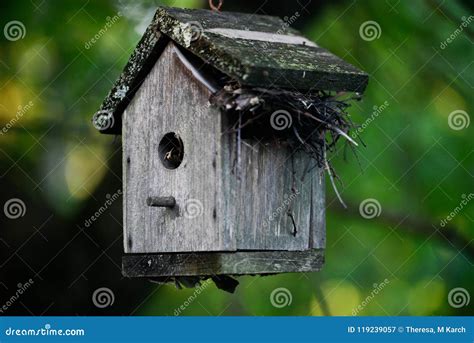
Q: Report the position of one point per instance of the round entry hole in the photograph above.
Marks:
(171, 150)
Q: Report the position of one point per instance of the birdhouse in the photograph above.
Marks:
(226, 120)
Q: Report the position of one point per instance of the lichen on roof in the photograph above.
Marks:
(233, 43)
(252, 50)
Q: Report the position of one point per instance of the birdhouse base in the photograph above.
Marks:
(221, 263)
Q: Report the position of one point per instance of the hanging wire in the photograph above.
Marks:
(214, 7)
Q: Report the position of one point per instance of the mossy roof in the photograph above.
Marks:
(259, 50)
(255, 50)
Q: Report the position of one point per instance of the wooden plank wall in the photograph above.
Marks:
(221, 205)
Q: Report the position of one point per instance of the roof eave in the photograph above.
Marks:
(108, 119)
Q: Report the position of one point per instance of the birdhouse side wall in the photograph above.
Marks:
(274, 196)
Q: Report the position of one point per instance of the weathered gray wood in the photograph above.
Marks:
(254, 196)
(135, 143)
(256, 61)
(184, 109)
(221, 263)
(318, 210)
(267, 196)
(171, 100)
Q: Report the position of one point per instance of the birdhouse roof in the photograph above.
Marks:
(255, 50)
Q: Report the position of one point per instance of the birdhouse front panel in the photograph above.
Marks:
(171, 140)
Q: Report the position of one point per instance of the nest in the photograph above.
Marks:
(313, 123)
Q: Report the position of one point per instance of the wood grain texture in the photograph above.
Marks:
(173, 101)
(267, 196)
(135, 142)
(229, 196)
(318, 210)
(222, 263)
(254, 62)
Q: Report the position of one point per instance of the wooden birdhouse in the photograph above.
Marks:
(226, 119)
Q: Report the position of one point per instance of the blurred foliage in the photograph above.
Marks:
(413, 163)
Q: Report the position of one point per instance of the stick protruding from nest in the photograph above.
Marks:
(313, 122)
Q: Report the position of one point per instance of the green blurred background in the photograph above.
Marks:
(418, 163)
